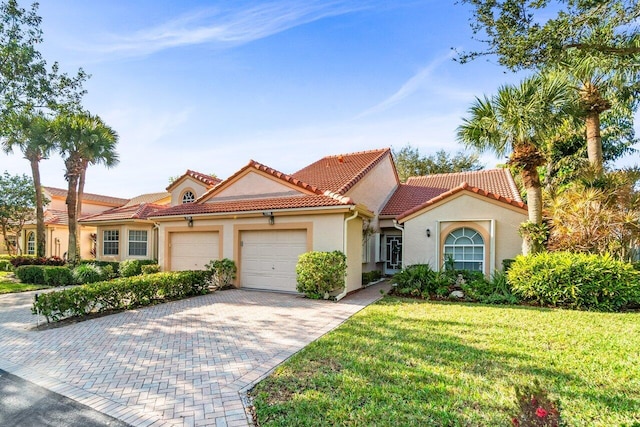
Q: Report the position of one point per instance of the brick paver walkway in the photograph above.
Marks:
(187, 362)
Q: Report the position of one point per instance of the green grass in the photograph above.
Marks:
(7, 286)
(404, 362)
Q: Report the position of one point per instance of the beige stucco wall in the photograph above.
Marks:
(57, 240)
(254, 183)
(373, 191)
(123, 247)
(196, 187)
(469, 210)
(88, 207)
(325, 233)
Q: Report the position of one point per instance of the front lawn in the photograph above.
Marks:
(407, 362)
(7, 286)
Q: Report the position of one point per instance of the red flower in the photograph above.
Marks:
(541, 412)
(515, 422)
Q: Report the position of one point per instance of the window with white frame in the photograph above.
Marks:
(465, 246)
(110, 242)
(137, 242)
(31, 243)
(188, 197)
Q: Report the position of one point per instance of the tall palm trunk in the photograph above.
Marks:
(594, 141)
(41, 234)
(594, 104)
(81, 181)
(73, 175)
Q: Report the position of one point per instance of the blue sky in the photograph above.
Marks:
(209, 85)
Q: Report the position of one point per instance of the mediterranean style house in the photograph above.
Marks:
(57, 224)
(263, 219)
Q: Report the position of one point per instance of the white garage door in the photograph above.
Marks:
(192, 250)
(269, 258)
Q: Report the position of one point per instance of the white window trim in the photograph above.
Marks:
(146, 242)
(104, 241)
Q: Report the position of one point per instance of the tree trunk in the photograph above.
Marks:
(531, 180)
(594, 141)
(83, 174)
(73, 175)
(41, 233)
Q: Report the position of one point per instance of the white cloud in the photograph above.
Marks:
(419, 81)
(225, 27)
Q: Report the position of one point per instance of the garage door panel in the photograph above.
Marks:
(269, 258)
(193, 250)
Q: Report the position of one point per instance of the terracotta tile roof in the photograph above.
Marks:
(140, 211)
(408, 196)
(496, 181)
(341, 172)
(148, 198)
(207, 180)
(108, 200)
(274, 203)
(463, 187)
(55, 217)
(204, 178)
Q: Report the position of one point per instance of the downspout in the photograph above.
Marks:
(156, 246)
(344, 248)
(401, 228)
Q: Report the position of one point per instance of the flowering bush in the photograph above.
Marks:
(535, 409)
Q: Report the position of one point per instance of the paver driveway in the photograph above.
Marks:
(187, 362)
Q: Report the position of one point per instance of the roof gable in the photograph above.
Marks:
(338, 173)
(272, 180)
(464, 187)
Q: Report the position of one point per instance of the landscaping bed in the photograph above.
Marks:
(411, 362)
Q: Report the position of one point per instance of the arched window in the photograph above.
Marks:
(31, 243)
(466, 247)
(188, 197)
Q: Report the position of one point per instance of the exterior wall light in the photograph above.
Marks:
(428, 232)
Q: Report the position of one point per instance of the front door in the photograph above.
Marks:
(393, 254)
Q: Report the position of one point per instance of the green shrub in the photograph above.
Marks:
(573, 280)
(223, 272)
(122, 293)
(506, 264)
(57, 276)
(371, 276)
(21, 260)
(130, 267)
(416, 280)
(318, 273)
(494, 291)
(89, 273)
(30, 274)
(150, 268)
(5, 265)
(102, 264)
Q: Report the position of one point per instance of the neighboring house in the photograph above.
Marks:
(57, 223)
(471, 217)
(126, 232)
(264, 219)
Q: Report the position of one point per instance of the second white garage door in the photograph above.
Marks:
(269, 258)
(192, 250)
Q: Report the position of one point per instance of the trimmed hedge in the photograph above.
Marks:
(120, 294)
(575, 280)
(18, 261)
(318, 273)
(45, 275)
(371, 276)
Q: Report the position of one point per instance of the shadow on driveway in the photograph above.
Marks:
(25, 404)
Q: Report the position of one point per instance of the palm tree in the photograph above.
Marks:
(83, 139)
(518, 120)
(601, 86)
(31, 133)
